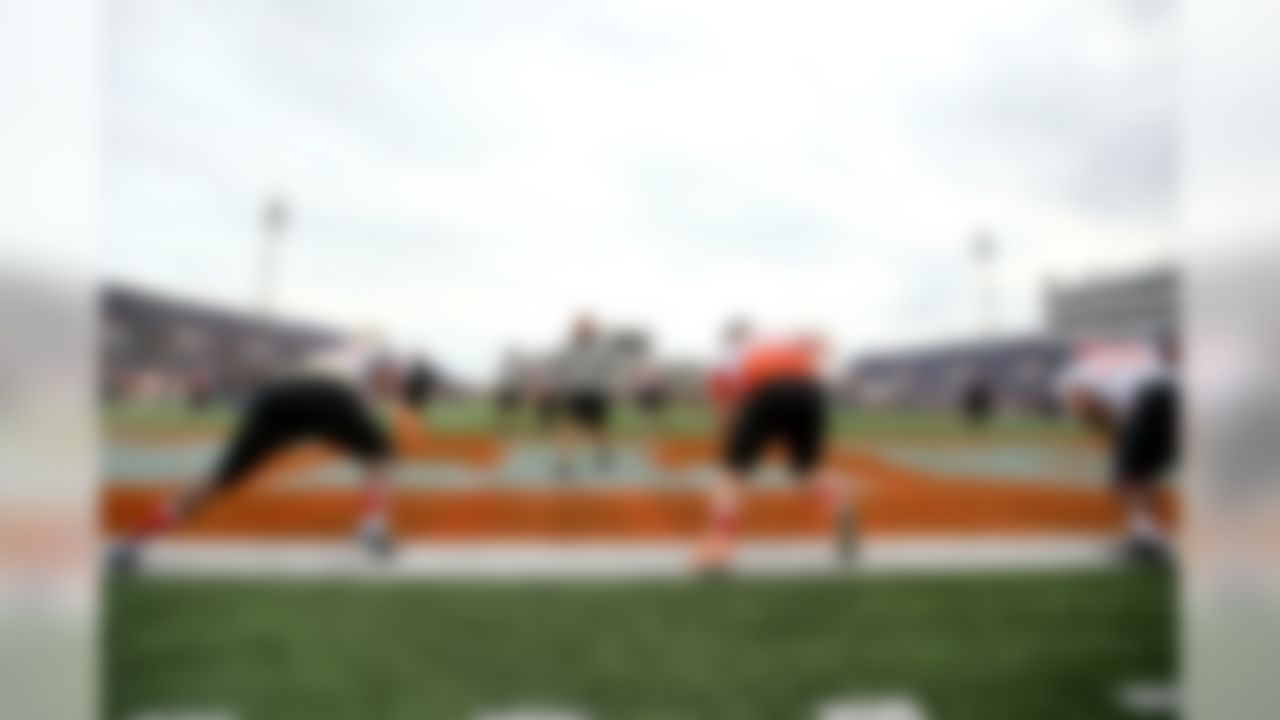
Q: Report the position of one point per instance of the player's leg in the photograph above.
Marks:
(341, 419)
(743, 443)
(596, 419)
(374, 530)
(724, 521)
(805, 427)
(264, 429)
(1147, 448)
(1140, 500)
(566, 433)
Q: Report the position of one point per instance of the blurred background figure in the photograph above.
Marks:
(510, 396)
(582, 380)
(538, 392)
(1127, 393)
(421, 382)
(200, 391)
(977, 399)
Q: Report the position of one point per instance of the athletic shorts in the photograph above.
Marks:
(419, 388)
(1147, 445)
(299, 409)
(587, 409)
(652, 400)
(792, 412)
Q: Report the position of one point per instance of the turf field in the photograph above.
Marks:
(1050, 644)
(470, 416)
(1012, 646)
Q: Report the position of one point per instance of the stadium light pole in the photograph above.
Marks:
(984, 256)
(275, 219)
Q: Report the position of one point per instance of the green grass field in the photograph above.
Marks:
(989, 647)
(687, 420)
(995, 647)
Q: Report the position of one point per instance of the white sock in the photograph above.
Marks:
(373, 522)
(1144, 528)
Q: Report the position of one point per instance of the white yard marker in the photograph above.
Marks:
(890, 707)
(1149, 699)
(531, 714)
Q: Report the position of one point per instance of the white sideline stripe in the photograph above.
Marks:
(873, 708)
(1149, 698)
(620, 561)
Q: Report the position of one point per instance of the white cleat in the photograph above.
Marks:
(374, 536)
(846, 537)
(123, 558)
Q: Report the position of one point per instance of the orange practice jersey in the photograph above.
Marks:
(762, 363)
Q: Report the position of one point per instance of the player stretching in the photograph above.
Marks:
(1128, 394)
(580, 413)
(328, 399)
(770, 391)
(421, 383)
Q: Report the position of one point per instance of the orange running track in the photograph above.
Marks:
(892, 501)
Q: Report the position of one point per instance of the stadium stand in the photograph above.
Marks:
(155, 344)
(1019, 372)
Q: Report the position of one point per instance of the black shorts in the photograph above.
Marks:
(977, 404)
(419, 388)
(301, 409)
(791, 411)
(587, 409)
(652, 400)
(1147, 444)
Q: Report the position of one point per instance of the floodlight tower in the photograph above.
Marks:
(275, 220)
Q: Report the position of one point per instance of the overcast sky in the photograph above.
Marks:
(468, 174)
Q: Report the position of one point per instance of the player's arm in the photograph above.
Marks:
(1092, 412)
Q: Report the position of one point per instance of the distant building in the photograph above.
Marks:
(1134, 305)
(152, 343)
